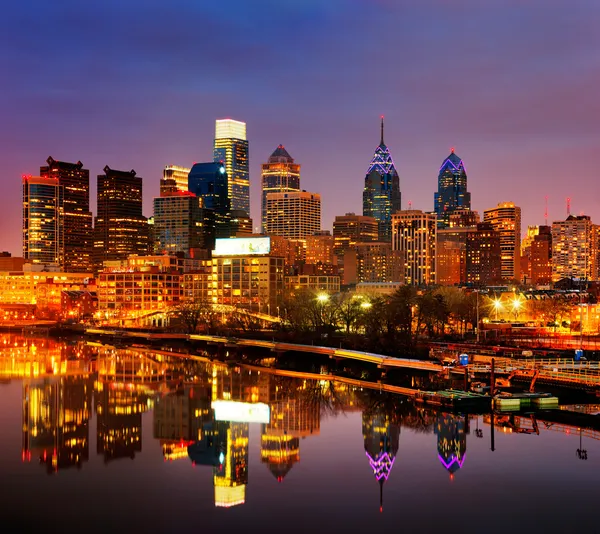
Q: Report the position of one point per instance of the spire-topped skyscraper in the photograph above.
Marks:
(452, 191)
(381, 195)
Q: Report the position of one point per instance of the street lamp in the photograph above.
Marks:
(516, 306)
(497, 303)
(365, 305)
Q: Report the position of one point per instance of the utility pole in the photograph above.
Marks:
(477, 307)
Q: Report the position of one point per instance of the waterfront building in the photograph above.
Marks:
(279, 175)
(174, 180)
(350, 229)
(295, 215)
(231, 149)
(381, 194)
(414, 234)
(197, 284)
(120, 229)
(75, 218)
(452, 191)
(506, 219)
(182, 225)
(245, 274)
(483, 258)
(42, 220)
(574, 248)
(209, 182)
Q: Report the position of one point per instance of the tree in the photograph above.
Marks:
(192, 314)
(349, 311)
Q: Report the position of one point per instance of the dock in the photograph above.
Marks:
(455, 399)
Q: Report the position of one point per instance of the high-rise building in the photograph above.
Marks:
(75, 229)
(574, 248)
(181, 224)
(294, 215)
(506, 219)
(536, 255)
(350, 229)
(120, 229)
(174, 179)
(452, 191)
(414, 234)
(381, 195)
(279, 175)
(231, 149)
(451, 431)
(208, 181)
(42, 198)
(451, 256)
(461, 218)
(483, 258)
(373, 263)
(319, 248)
(240, 224)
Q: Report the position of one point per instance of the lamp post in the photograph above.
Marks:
(497, 305)
(477, 308)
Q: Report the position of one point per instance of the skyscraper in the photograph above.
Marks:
(452, 191)
(279, 175)
(75, 229)
(231, 148)
(574, 248)
(506, 219)
(174, 179)
(208, 181)
(294, 215)
(414, 233)
(381, 195)
(42, 198)
(120, 228)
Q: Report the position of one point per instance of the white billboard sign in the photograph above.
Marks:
(241, 412)
(242, 246)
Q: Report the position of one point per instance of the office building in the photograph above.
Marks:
(506, 219)
(208, 181)
(373, 263)
(240, 224)
(483, 259)
(75, 227)
(231, 149)
(452, 191)
(536, 256)
(451, 256)
(319, 248)
(120, 229)
(350, 229)
(461, 218)
(574, 248)
(279, 175)
(295, 215)
(182, 225)
(381, 194)
(414, 234)
(42, 218)
(174, 179)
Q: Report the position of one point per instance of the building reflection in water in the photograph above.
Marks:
(381, 436)
(56, 414)
(451, 431)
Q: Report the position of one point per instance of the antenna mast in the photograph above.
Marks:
(546, 210)
(568, 206)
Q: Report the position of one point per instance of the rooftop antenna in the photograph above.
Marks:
(381, 131)
(410, 204)
(568, 206)
(546, 211)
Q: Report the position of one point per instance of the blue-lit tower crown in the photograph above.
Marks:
(381, 195)
(452, 191)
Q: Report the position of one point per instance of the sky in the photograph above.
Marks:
(512, 85)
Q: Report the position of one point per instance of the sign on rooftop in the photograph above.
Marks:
(242, 246)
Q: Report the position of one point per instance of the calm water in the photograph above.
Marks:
(87, 447)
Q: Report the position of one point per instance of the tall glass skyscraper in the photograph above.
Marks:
(381, 195)
(452, 191)
(279, 175)
(209, 181)
(231, 149)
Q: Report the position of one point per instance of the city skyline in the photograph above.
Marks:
(519, 104)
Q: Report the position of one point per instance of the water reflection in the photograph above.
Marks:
(65, 384)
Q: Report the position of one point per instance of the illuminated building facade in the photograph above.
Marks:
(536, 256)
(75, 226)
(182, 225)
(451, 431)
(319, 248)
(506, 220)
(451, 256)
(209, 182)
(174, 180)
(452, 191)
(279, 175)
(461, 218)
(231, 149)
(574, 248)
(120, 228)
(246, 275)
(483, 258)
(197, 284)
(42, 217)
(373, 262)
(414, 234)
(350, 229)
(325, 284)
(240, 224)
(295, 215)
(56, 414)
(381, 194)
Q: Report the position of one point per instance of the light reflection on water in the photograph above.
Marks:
(325, 453)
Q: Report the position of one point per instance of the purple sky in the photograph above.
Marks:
(512, 84)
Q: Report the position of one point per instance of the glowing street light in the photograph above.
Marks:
(323, 298)
(517, 304)
(497, 303)
(365, 305)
